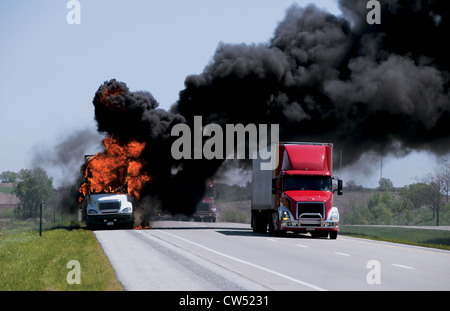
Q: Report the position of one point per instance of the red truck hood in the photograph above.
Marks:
(208, 200)
(309, 195)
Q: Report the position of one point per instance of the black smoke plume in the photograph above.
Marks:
(366, 88)
(382, 88)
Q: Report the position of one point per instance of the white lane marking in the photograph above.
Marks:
(272, 240)
(247, 263)
(301, 245)
(342, 254)
(402, 266)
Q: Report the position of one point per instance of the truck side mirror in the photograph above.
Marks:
(340, 187)
(274, 186)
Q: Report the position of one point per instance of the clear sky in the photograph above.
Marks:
(50, 70)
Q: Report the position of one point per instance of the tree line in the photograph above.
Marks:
(388, 205)
(391, 205)
(33, 187)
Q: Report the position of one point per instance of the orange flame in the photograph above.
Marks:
(140, 227)
(108, 92)
(116, 170)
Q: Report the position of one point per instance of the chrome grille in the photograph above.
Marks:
(109, 207)
(310, 207)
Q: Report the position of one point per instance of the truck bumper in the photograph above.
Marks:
(110, 220)
(210, 217)
(309, 225)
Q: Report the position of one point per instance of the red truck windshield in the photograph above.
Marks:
(319, 183)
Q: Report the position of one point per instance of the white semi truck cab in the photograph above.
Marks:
(108, 210)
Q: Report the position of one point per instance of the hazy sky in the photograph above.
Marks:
(50, 70)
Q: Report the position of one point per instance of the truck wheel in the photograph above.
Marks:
(272, 228)
(333, 235)
(259, 223)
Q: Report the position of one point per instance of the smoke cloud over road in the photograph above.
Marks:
(364, 87)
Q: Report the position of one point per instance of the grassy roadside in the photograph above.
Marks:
(411, 236)
(30, 262)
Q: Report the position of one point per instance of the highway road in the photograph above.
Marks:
(188, 256)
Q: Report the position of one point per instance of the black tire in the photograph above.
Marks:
(272, 229)
(333, 235)
(274, 226)
(259, 223)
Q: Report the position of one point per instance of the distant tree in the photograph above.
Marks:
(414, 195)
(351, 185)
(8, 177)
(385, 184)
(34, 188)
(435, 197)
(381, 207)
(444, 178)
(438, 186)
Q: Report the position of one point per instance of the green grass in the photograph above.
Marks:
(234, 215)
(7, 190)
(420, 237)
(29, 262)
(7, 213)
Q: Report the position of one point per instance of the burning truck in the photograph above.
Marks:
(113, 180)
(137, 162)
(107, 210)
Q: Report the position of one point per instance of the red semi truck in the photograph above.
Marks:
(298, 194)
(205, 210)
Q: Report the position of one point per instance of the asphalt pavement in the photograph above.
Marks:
(188, 256)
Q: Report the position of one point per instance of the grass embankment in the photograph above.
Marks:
(412, 236)
(30, 262)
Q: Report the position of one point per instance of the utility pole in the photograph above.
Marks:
(40, 218)
(381, 167)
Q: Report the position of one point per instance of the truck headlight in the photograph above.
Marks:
(126, 210)
(334, 216)
(92, 211)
